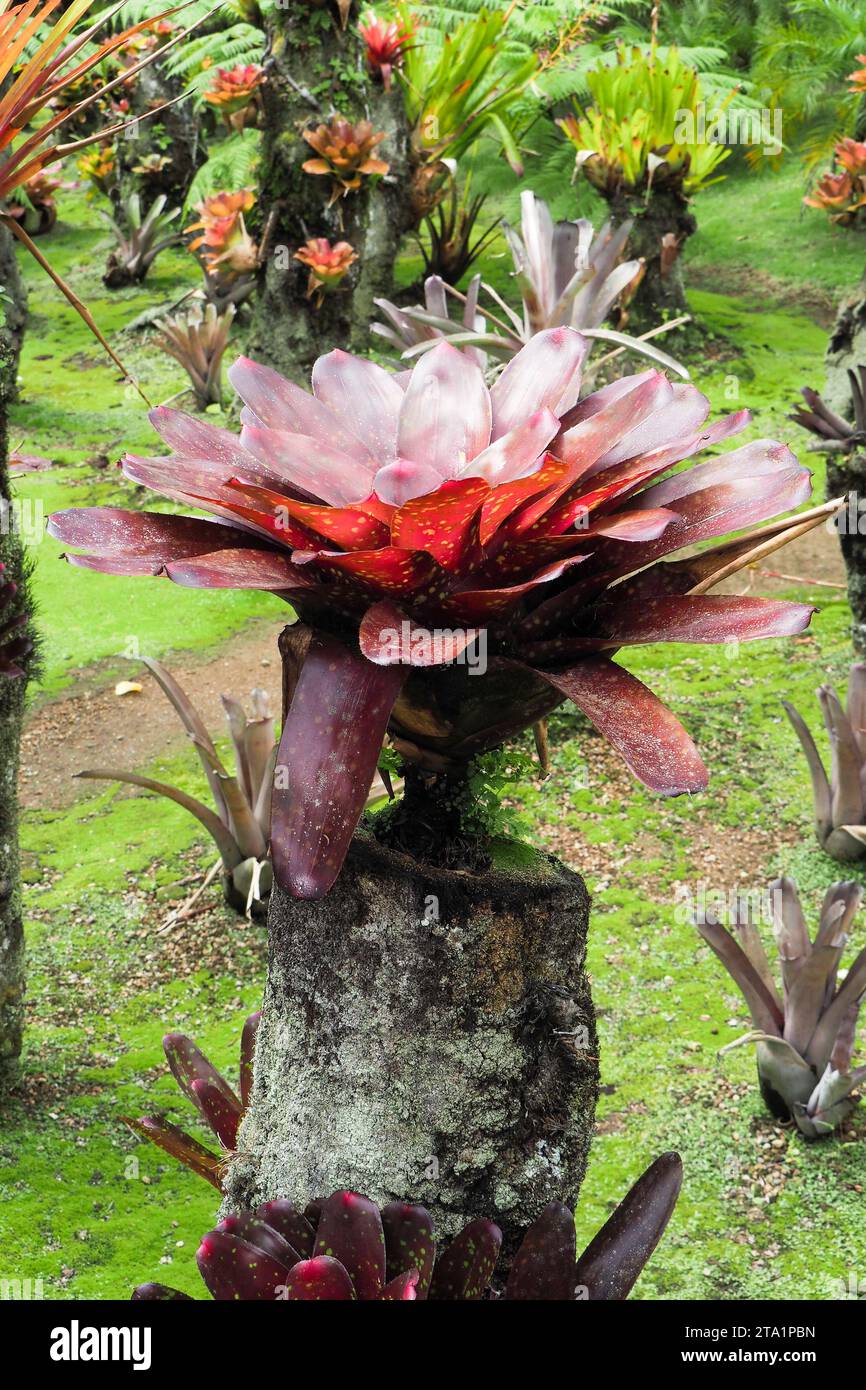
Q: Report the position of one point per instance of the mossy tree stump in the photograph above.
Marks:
(426, 1033)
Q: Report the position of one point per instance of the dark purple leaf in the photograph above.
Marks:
(252, 1227)
(181, 1146)
(463, 1272)
(328, 753)
(159, 1293)
(544, 1266)
(284, 1216)
(644, 732)
(409, 1242)
(321, 1278)
(248, 1052)
(350, 1230)
(233, 1269)
(611, 1263)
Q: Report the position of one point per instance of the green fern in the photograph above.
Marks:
(232, 166)
(196, 60)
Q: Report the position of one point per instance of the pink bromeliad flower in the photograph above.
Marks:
(386, 508)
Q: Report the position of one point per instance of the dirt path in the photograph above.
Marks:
(96, 727)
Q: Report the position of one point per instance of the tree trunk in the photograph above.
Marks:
(317, 69)
(426, 1034)
(661, 226)
(846, 476)
(846, 349)
(11, 700)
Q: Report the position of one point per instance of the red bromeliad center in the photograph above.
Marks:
(383, 504)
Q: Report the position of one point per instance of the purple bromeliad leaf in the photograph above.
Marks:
(350, 1230)
(463, 1271)
(611, 1263)
(409, 1243)
(180, 1146)
(291, 1223)
(321, 1278)
(328, 753)
(234, 1269)
(544, 1266)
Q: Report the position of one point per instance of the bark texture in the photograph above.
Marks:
(661, 226)
(12, 317)
(846, 349)
(316, 69)
(846, 474)
(426, 1034)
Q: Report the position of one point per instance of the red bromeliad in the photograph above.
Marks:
(409, 518)
(344, 1249)
(386, 44)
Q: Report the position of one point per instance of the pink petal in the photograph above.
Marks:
(682, 415)
(193, 437)
(445, 418)
(758, 459)
(367, 395)
(583, 444)
(516, 454)
(544, 373)
(281, 405)
(397, 483)
(316, 468)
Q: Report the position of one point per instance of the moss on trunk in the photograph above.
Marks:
(315, 69)
(662, 223)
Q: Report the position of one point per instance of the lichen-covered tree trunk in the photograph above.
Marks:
(316, 69)
(846, 473)
(662, 225)
(846, 349)
(846, 477)
(426, 1033)
(12, 316)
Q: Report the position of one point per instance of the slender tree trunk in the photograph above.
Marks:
(661, 226)
(846, 476)
(846, 473)
(12, 316)
(427, 1031)
(315, 70)
(846, 349)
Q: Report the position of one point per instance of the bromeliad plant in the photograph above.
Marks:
(345, 1249)
(15, 645)
(385, 44)
(141, 236)
(35, 205)
(227, 252)
(218, 1104)
(805, 1035)
(640, 146)
(345, 154)
(459, 85)
(233, 93)
(840, 799)
(567, 275)
(198, 340)
(240, 824)
(409, 518)
(630, 139)
(843, 194)
(328, 265)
